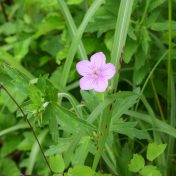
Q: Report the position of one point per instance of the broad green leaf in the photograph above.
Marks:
(136, 163)
(80, 171)
(57, 163)
(154, 150)
(150, 171)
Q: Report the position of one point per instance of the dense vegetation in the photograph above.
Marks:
(48, 126)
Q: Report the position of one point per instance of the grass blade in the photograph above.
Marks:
(121, 30)
(34, 152)
(72, 27)
(13, 128)
(72, 51)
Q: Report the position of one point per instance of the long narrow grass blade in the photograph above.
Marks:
(74, 45)
(160, 126)
(13, 128)
(121, 30)
(34, 152)
(72, 27)
(150, 74)
(171, 142)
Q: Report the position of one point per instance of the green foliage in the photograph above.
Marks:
(150, 170)
(154, 150)
(57, 163)
(85, 132)
(137, 163)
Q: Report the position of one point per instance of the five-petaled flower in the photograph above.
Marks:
(95, 72)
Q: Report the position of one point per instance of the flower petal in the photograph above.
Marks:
(100, 84)
(108, 71)
(98, 59)
(87, 83)
(83, 67)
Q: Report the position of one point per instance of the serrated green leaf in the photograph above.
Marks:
(154, 150)
(150, 171)
(136, 163)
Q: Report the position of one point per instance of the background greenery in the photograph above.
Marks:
(41, 42)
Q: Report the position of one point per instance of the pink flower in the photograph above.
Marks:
(95, 72)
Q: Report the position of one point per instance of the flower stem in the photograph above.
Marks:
(169, 55)
(103, 134)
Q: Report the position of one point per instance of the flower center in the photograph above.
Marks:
(96, 72)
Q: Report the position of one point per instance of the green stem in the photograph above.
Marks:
(120, 35)
(72, 27)
(76, 40)
(149, 76)
(169, 55)
(157, 99)
(145, 12)
(104, 130)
